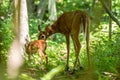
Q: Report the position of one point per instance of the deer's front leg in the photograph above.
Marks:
(68, 51)
(46, 57)
(41, 55)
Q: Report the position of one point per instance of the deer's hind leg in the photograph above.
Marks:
(77, 47)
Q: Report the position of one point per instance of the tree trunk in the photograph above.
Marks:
(15, 59)
(110, 20)
(41, 10)
(110, 13)
(52, 10)
(24, 29)
(31, 6)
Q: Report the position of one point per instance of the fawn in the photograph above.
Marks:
(38, 46)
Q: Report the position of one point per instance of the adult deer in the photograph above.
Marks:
(71, 24)
(38, 46)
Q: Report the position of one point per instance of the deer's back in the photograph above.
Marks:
(68, 20)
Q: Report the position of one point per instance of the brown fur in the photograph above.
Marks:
(70, 24)
(37, 46)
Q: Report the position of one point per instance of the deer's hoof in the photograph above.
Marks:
(81, 68)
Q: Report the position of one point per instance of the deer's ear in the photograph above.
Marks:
(48, 30)
(48, 33)
(39, 28)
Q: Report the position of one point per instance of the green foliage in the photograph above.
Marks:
(53, 72)
(116, 8)
(33, 28)
(105, 54)
(6, 38)
(5, 29)
(25, 77)
(77, 5)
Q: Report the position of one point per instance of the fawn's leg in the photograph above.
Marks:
(46, 58)
(41, 55)
(29, 56)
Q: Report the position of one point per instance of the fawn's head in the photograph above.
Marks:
(45, 34)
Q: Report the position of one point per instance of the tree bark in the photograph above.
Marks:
(24, 29)
(15, 54)
(110, 13)
(31, 6)
(41, 10)
(52, 10)
(110, 20)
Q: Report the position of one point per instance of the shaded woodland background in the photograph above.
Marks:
(104, 39)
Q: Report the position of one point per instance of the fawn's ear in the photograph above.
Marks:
(39, 28)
